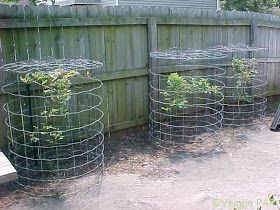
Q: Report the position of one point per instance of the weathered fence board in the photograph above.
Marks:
(121, 38)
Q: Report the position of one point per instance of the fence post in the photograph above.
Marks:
(152, 45)
(253, 35)
(152, 39)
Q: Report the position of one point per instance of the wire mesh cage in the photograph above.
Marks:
(188, 102)
(54, 122)
(245, 92)
(185, 103)
(245, 85)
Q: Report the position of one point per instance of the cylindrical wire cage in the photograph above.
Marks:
(245, 95)
(245, 86)
(54, 122)
(178, 115)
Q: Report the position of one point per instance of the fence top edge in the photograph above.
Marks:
(80, 11)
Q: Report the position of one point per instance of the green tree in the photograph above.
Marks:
(265, 6)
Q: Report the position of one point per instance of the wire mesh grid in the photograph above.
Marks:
(245, 85)
(245, 95)
(178, 115)
(211, 53)
(54, 122)
(181, 115)
(188, 55)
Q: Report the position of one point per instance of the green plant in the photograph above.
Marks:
(174, 95)
(178, 87)
(244, 70)
(55, 87)
(274, 201)
(271, 202)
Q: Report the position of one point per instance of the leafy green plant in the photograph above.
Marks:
(274, 201)
(55, 87)
(244, 70)
(271, 202)
(174, 95)
(178, 87)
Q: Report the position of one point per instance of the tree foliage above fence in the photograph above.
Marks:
(264, 6)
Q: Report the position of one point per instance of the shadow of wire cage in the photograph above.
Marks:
(50, 165)
(202, 115)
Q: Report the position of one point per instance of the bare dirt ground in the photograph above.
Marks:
(238, 169)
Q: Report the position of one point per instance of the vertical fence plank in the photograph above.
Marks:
(152, 39)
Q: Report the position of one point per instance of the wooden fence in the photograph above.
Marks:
(122, 37)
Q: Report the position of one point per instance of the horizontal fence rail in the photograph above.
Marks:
(121, 38)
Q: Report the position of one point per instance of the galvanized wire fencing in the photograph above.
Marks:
(190, 102)
(245, 88)
(54, 123)
(185, 100)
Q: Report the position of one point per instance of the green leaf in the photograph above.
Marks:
(57, 85)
